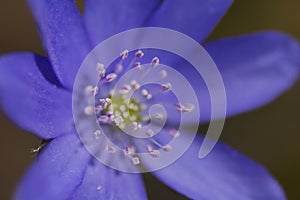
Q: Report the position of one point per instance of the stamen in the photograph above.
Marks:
(155, 153)
(122, 108)
(101, 70)
(125, 89)
(155, 62)
(146, 94)
(110, 149)
(139, 54)
(185, 108)
(136, 126)
(119, 68)
(89, 110)
(135, 85)
(137, 65)
(105, 102)
(111, 77)
(163, 74)
(149, 96)
(98, 109)
(104, 119)
(88, 90)
(149, 148)
(150, 133)
(124, 54)
(118, 120)
(135, 160)
(166, 87)
(128, 151)
(95, 90)
(126, 114)
(174, 133)
(167, 147)
(97, 134)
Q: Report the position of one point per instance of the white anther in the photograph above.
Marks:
(111, 77)
(128, 151)
(126, 114)
(155, 153)
(166, 87)
(149, 148)
(185, 108)
(137, 65)
(103, 119)
(97, 134)
(95, 90)
(98, 109)
(119, 68)
(118, 120)
(163, 74)
(149, 96)
(122, 108)
(110, 149)
(132, 118)
(150, 133)
(144, 92)
(102, 73)
(136, 126)
(139, 54)
(100, 67)
(101, 70)
(155, 62)
(105, 102)
(125, 89)
(174, 133)
(102, 101)
(88, 90)
(124, 54)
(108, 101)
(111, 118)
(167, 147)
(135, 160)
(89, 110)
(135, 85)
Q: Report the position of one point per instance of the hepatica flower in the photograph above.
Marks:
(36, 93)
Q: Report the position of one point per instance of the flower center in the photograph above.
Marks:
(123, 101)
(119, 111)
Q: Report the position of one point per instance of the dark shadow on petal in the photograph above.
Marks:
(46, 69)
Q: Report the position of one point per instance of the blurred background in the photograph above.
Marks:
(269, 135)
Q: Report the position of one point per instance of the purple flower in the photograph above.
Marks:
(36, 93)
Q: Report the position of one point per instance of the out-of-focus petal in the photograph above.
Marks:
(63, 34)
(106, 18)
(57, 171)
(224, 174)
(255, 68)
(195, 18)
(102, 182)
(29, 99)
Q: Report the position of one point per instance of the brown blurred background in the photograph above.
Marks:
(269, 135)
